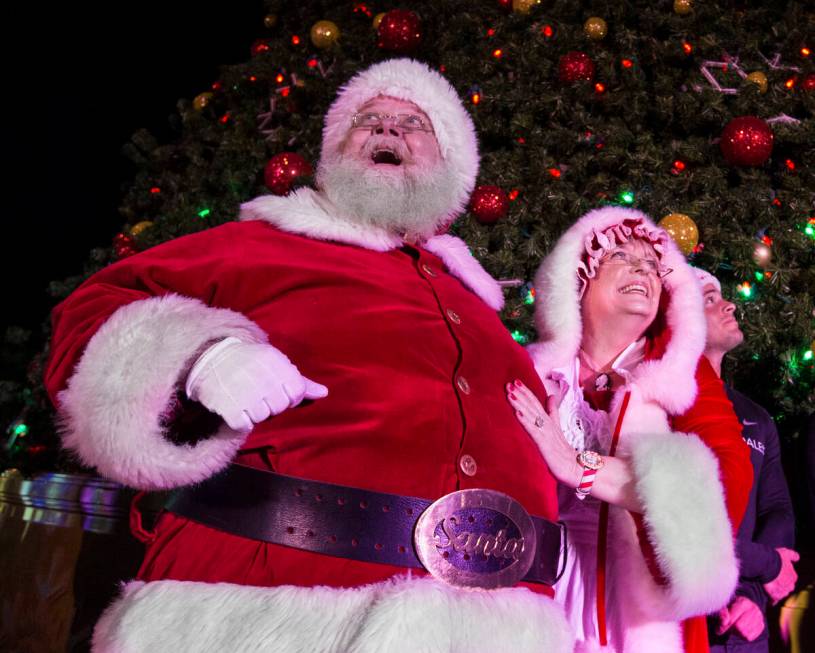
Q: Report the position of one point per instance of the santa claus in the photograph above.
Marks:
(337, 367)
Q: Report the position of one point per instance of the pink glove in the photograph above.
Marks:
(743, 615)
(246, 383)
(784, 583)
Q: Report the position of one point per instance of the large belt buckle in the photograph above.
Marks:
(476, 538)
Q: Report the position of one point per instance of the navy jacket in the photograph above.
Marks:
(768, 523)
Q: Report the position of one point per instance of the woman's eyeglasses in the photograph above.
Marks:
(650, 265)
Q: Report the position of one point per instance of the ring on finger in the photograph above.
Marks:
(539, 422)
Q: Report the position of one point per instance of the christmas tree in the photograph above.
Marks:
(700, 114)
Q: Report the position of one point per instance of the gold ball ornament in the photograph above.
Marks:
(683, 7)
(762, 254)
(759, 79)
(524, 6)
(324, 33)
(140, 227)
(201, 100)
(682, 229)
(378, 19)
(270, 20)
(595, 28)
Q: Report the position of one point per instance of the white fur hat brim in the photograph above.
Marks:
(706, 278)
(412, 81)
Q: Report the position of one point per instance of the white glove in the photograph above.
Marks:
(245, 383)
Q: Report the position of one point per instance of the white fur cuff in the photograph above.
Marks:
(677, 481)
(112, 407)
(402, 614)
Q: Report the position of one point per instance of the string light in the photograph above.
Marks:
(547, 31)
(224, 118)
(627, 197)
(555, 172)
(745, 289)
(491, 31)
(530, 296)
(513, 194)
(687, 47)
(497, 53)
(155, 190)
(599, 88)
(805, 52)
(807, 355)
(295, 40)
(790, 164)
(519, 337)
(790, 83)
(203, 213)
(280, 78)
(627, 63)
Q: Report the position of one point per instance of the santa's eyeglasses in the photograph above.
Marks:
(407, 122)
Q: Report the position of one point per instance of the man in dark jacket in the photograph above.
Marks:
(766, 534)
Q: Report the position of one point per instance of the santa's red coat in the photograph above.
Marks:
(415, 364)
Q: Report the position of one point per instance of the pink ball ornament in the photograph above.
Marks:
(283, 170)
(746, 141)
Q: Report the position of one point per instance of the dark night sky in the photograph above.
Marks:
(79, 81)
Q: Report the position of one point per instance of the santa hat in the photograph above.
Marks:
(413, 81)
(706, 278)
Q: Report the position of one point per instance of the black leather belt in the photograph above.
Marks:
(336, 520)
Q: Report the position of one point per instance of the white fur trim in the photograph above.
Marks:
(403, 614)
(670, 380)
(413, 81)
(112, 407)
(706, 278)
(307, 213)
(463, 265)
(677, 482)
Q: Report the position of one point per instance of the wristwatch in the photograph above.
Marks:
(591, 462)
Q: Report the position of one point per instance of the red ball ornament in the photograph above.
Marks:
(489, 204)
(575, 66)
(399, 31)
(283, 170)
(808, 84)
(747, 141)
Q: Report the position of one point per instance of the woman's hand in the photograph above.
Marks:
(543, 427)
(614, 483)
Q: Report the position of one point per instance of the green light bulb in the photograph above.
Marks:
(807, 355)
(519, 337)
(204, 213)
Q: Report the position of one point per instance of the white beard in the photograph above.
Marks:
(405, 201)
